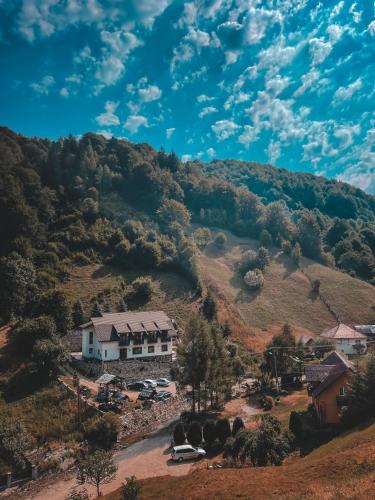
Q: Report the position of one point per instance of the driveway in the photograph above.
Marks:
(147, 458)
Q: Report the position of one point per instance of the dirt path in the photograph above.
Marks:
(147, 458)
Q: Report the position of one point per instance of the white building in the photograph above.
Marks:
(128, 335)
(346, 339)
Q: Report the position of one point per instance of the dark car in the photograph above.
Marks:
(160, 396)
(147, 394)
(137, 386)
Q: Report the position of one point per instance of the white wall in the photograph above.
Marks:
(109, 351)
(346, 345)
(86, 346)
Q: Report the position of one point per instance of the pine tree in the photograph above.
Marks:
(78, 313)
(122, 307)
(96, 311)
(209, 307)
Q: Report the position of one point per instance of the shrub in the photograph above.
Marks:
(202, 236)
(142, 288)
(254, 279)
(315, 286)
(209, 432)
(268, 403)
(286, 247)
(131, 489)
(247, 262)
(102, 431)
(265, 238)
(263, 258)
(295, 424)
(228, 447)
(220, 240)
(194, 434)
(179, 434)
(296, 253)
(223, 430)
(237, 425)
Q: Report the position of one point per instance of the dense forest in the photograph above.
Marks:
(92, 199)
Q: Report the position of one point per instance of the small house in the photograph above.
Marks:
(346, 340)
(328, 384)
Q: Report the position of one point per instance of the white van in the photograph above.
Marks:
(186, 452)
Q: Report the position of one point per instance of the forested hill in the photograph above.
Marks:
(297, 189)
(92, 199)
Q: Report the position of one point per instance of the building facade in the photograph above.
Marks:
(128, 335)
(346, 340)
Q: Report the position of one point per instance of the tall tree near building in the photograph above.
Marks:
(96, 468)
(78, 313)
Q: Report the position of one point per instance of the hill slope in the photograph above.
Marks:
(286, 295)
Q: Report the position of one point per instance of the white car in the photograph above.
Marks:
(151, 383)
(163, 382)
(186, 452)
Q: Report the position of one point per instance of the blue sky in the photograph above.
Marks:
(287, 82)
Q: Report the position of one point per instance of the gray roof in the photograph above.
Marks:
(317, 373)
(336, 365)
(109, 326)
(106, 378)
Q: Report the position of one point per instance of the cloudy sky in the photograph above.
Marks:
(287, 82)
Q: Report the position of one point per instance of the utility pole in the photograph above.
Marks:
(275, 363)
(76, 384)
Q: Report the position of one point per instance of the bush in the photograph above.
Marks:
(194, 434)
(131, 489)
(265, 238)
(179, 434)
(209, 432)
(102, 431)
(254, 279)
(295, 424)
(220, 240)
(263, 258)
(247, 262)
(237, 425)
(228, 447)
(142, 288)
(223, 431)
(268, 403)
(286, 247)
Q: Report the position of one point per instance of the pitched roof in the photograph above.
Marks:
(106, 378)
(336, 365)
(316, 373)
(109, 326)
(342, 331)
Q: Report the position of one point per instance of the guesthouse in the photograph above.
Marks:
(346, 340)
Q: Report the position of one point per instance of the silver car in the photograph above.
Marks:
(186, 452)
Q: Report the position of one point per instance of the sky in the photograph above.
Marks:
(286, 82)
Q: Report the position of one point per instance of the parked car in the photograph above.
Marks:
(137, 386)
(110, 407)
(163, 382)
(186, 452)
(150, 382)
(163, 395)
(147, 394)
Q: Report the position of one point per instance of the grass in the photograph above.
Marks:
(172, 292)
(285, 297)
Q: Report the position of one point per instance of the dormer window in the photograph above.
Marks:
(91, 337)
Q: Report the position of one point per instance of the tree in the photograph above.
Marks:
(56, 305)
(96, 311)
(29, 331)
(78, 313)
(209, 432)
(223, 431)
(209, 307)
(142, 288)
(227, 331)
(96, 468)
(122, 307)
(237, 426)
(286, 247)
(279, 352)
(194, 434)
(131, 489)
(310, 236)
(254, 279)
(296, 253)
(102, 431)
(202, 236)
(47, 354)
(322, 346)
(179, 434)
(14, 441)
(265, 239)
(220, 239)
(263, 258)
(173, 211)
(77, 495)
(248, 262)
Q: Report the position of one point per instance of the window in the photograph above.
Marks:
(137, 350)
(151, 348)
(91, 338)
(164, 347)
(105, 353)
(342, 391)
(90, 350)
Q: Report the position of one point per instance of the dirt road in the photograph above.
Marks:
(147, 458)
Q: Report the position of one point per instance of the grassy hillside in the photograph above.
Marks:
(286, 295)
(343, 468)
(172, 292)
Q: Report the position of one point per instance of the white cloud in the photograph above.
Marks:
(371, 28)
(319, 50)
(44, 86)
(189, 15)
(258, 21)
(236, 98)
(224, 129)
(192, 44)
(134, 122)
(207, 110)
(149, 93)
(344, 93)
(249, 135)
(186, 157)
(307, 82)
(64, 92)
(345, 135)
(204, 98)
(211, 152)
(109, 118)
(273, 151)
(169, 132)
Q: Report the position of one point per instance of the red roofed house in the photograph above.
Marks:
(346, 339)
(128, 335)
(328, 384)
